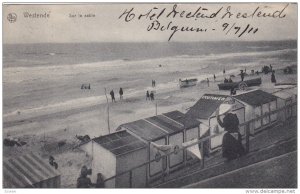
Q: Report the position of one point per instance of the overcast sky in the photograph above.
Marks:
(106, 27)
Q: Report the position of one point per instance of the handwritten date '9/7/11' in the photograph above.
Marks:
(238, 30)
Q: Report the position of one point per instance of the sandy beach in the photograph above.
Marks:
(45, 108)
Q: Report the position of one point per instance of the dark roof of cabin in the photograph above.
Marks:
(120, 143)
(256, 97)
(159, 126)
(205, 106)
(185, 120)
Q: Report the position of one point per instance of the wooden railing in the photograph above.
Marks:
(200, 142)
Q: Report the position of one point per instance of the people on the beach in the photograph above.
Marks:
(273, 79)
(112, 95)
(224, 71)
(121, 93)
(147, 95)
(232, 147)
(152, 95)
(229, 80)
(242, 75)
(271, 68)
(153, 83)
(214, 77)
(225, 80)
(207, 80)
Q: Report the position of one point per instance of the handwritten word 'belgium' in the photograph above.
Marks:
(155, 14)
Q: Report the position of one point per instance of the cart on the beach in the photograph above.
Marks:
(242, 85)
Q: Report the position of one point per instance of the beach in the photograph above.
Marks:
(44, 104)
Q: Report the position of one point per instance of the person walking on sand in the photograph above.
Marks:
(147, 95)
(273, 79)
(112, 94)
(232, 147)
(121, 93)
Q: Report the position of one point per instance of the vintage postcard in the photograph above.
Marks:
(150, 95)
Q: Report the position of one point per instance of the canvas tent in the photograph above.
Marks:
(257, 103)
(115, 153)
(170, 128)
(204, 111)
(29, 171)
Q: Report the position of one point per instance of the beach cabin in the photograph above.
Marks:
(166, 129)
(257, 103)
(286, 97)
(205, 111)
(29, 171)
(115, 153)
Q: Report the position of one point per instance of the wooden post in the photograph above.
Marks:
(247, 137)
(130, 179)
(202, 154)
(108, 126)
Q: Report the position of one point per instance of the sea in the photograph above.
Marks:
(48, 76)
(27, 55)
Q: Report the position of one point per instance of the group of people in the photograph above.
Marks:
(112, 95)
(84, 181)
(150, 96)
(228, 80)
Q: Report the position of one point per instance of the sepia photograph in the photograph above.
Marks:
(150, 95)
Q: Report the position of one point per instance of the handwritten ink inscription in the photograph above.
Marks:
(237, 26)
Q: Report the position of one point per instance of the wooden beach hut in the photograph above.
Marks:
(170, 128)
(29, 171)
(116, 153)
(257, 103)
(205, 111)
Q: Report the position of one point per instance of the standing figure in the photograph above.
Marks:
(121, 93)
(273, 79)
(112, 94)
(232, 147)
(83, 181)
(100, 181)
(152, 96)
(214, 77)
(224, 71)
(147, 95)
(207, 80)
(154, 83)
(242, 75)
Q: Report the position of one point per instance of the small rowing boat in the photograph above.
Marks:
(187, 82)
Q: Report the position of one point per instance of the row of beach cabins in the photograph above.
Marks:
(131, 146)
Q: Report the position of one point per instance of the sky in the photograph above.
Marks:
(106, 26)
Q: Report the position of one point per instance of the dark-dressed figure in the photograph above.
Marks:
(225, 80)
(273, 79)
(232, 147)
(242, 75)
(215, 77)
(112, 94)
(147, 95)
(230, 80)
(152, 96)
(207, 80)
(121, 93)
(84, 181)
(100, 181)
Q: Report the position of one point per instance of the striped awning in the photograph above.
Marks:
(27, 170)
